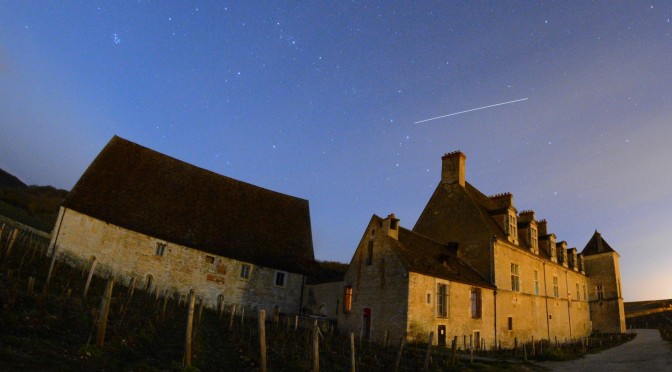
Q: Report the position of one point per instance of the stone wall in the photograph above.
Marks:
(381, 287)
(423, 317)
(324, 299)
(608, 313)
(539, 315)
(128, 254)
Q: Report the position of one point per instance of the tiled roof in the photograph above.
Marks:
(422, 255)
(151, 193)
(596, 245)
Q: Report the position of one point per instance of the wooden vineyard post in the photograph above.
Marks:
(31, 284)
(524, 352)
(53, 261)
(94, 261)
(233, 313)
(12, 240)
(165, 302)
(201, 302)
(425, 367)
(104, 312)
(262, 338)
(385, 339)
(534, 349)
(316, 348)
(398, 362)
(453, 357)
(190, 325)
(296, 323)
(352, 351)
(471, 349)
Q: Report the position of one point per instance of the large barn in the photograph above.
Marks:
(172, 226)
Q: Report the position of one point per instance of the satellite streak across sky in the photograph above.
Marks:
(478, 108)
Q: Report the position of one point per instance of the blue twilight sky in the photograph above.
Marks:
(319, 100)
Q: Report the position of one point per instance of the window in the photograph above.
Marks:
(160, 249)
(600, 292)
(476, 303)
(347, 300)
(515, 278)
(442, 300)
(369, 254)
(534, 239)
(554, 256)
(513, 225)
(209, 259)
(429, 298)
(510, 323)
(578, 292)
(245, 271)
(556, 288)
(584, 293)
(280, 277)
(536, 282)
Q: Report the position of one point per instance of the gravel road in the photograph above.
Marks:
(646, 352)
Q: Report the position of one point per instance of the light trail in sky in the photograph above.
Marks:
(478, 108)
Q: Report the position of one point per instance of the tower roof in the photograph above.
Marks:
(597, 245)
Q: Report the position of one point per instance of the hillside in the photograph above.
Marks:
(35, 206)
(9, 180)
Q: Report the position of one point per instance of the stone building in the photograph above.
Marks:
(474, 266)
(140, 214)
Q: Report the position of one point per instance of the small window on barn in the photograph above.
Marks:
(160, 249)
(245, 271)
(600, 292)
(510, 323)
(347, 300)
(209, 259)
(369, 254)
(429, 298)
(476, 303)
(280, 278)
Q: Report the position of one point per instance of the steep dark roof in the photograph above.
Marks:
(423, 255)
(596, 245)
(151, 193)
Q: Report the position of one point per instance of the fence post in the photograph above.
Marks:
(316, 348)
(233, 313)
(533, 347)
(385, 340)
(88, 279)
(190, 325)
(352, 351)
(104, 312)
(401, 351)
(53, 261)
(262, 338)
(453, 357)
(471, 349)
(425, 367)
(12, 240)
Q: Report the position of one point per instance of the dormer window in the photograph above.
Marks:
(512, 225)
(534, 238)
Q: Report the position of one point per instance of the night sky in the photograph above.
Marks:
(320, 102)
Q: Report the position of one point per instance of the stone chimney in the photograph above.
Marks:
(598, 240)
(504, 200)
(526, 216)
(542, 227)
(452, 169)
(391, 226)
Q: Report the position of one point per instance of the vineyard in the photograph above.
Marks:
(58, 317)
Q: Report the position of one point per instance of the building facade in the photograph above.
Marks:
(170, 227)
(516, 279)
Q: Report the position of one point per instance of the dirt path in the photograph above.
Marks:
(647, 352)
